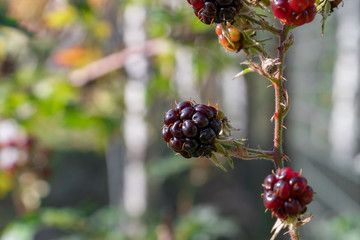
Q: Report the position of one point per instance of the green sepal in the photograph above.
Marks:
(217, 163)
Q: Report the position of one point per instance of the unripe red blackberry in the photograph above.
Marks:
(298, 5)
(196, 3)
(191, 129)
(216, 11)
(286, 193)
(294, 12)
(281, 8)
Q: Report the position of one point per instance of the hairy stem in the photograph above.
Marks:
(280, 106)
(251, 154)
(294, 232)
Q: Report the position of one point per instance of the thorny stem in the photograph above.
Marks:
(280, 107)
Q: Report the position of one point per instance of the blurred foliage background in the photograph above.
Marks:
(84, 85)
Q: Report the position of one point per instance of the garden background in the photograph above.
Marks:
(84, 86)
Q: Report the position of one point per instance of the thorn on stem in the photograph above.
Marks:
(276, 114)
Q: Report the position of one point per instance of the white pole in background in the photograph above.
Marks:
(343, 122)
(135, 127)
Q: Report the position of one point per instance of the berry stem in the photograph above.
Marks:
(281, 103)
(262, 22)
(252, 154)
(294, 231)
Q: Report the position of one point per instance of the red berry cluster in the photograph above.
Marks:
(191, 129)
(286, 193)
(294, 12)
(233, 40)
(209, 11)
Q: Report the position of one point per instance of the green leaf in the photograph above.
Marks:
(243, 72)
(217, 163)
(231, 162)
(325, 14)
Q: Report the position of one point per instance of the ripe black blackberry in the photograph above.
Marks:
(216, 11)
(191, 129)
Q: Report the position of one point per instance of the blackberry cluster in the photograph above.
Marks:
(233, 41)
(286, 193)
(191, 129)
(294, 12)
(215, 11)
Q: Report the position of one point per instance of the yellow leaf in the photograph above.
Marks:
(60, 17)
(6, 183)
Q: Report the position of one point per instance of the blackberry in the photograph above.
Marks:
(285, 174)
(171, 116)
(204, 150)
(282, 189)
(175, 129)
(293, 206)
(191, 129)
(200, 119)
(269, 182)
(286, 193)
(271, 201)
(209, 10)
(190, 145)
(216, 11)
(216, 125)
(297, 185)
(166, 134)
(187, 113)
(176, 144)
(207, 136)
(294, 12)
(224, 2)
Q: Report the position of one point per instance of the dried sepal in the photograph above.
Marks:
(326, 7)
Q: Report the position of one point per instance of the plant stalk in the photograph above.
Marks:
(294, 232)
(280, 107)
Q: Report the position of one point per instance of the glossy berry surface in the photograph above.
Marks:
(294, 12)
(286, 193)
(269, 182)
(215, 11)
(298, 5)
(285, 174)
(166, 134)
(200, 119)
(281, 8)
(271, 201)
(233, 40)
(282, 189)
(191, 129)
(297, 185)
(292, 207)
(307, 196)
(197, 3)
(311, 13)
(171, 116)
